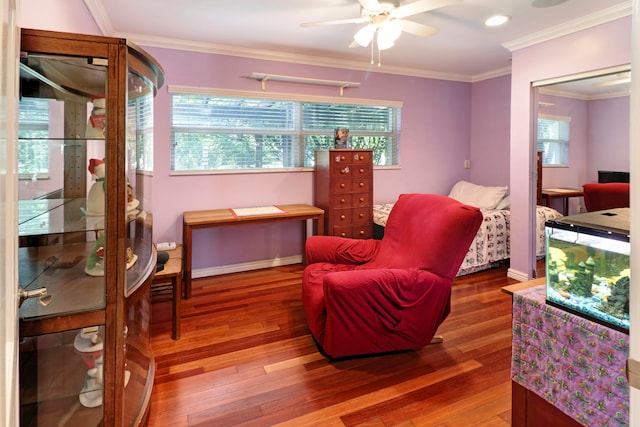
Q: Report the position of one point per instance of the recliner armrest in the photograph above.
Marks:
(340, 250)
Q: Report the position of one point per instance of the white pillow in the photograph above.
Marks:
(480, 196)
(505, 203)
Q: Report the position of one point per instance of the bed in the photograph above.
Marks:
(490, 247)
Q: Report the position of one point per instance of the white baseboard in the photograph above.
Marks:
(246, 266)
(518, 275)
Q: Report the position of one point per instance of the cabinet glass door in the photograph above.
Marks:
(141, 260)
(61, 229)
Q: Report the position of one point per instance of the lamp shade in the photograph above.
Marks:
(364, 35)
(388, 33)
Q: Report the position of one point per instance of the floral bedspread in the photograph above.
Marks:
(491, 244)
(573, 363)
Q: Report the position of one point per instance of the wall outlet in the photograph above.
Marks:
(166, 246)
(467, 164)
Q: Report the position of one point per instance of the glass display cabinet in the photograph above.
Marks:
(86, 256)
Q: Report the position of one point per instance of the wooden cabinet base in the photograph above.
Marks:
(530, 410)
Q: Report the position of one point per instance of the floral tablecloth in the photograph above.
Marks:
(575, 364)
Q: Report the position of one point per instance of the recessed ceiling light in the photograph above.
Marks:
(497, 20)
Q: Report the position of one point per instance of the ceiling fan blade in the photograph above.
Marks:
(370, 4)
(359, 20)
(419, 7)
(417, 29)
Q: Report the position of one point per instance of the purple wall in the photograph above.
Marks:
(490, 108)
(608, 136)
(602, 46)
(434, 144)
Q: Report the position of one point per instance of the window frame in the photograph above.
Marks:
(562, 142)
(299, 131)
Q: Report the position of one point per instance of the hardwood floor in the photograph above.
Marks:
(246, 358)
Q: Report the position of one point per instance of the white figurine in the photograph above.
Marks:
(96, 196)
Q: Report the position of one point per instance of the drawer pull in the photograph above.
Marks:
(362, 232)
(362, 199)
(343, 201)
(362, 184)
(361, 215)
(342, 185)
(342, 216)
(345, 170)
(343, 234)
(361, 170)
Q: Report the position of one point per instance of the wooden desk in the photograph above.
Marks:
(224, 217)
(561, 193)
(172, 273)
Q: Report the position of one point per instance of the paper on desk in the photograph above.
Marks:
(563, 190)
(259, 210)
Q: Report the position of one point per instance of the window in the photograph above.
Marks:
(220, 132)
(33, 134)
(553, 139)
(140, 130)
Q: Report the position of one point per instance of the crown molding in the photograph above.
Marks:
(100, 17)
(491, 74)
(270, 55)
(616, 12)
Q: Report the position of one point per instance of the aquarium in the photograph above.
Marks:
(587, 266)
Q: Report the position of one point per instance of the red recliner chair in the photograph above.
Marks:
(606, 195)
(374, 296)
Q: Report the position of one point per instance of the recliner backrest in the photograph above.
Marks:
(607, 195)
(428, 231)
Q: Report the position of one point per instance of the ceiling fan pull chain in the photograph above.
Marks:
(372, 52)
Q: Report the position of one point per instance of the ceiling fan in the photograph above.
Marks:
(385, 20)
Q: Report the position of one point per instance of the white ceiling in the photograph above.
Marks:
(463, 49)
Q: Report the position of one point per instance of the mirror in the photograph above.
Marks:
(583, 133)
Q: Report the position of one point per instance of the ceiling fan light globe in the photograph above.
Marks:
(384, 43)
(364, 35)
(390, 30)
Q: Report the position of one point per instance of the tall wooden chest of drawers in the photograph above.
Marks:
(343, 184)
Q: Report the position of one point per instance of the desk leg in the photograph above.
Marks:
(187, 234)
(320, 225)
(177, 302)
(304, 241)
